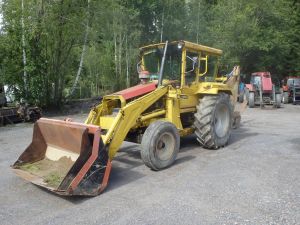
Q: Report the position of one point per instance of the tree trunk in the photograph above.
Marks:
(162, 25)
(116, 56)
(25, 79)
(198, 22)
(127, 64)
(82, 54)
(57, 65)
(120, 59)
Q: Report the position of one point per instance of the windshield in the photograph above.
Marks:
(256, 80)
(294, 81)
(172, 68)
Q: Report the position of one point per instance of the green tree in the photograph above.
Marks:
(87, 48)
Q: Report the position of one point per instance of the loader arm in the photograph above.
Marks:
(126, 119)
(233, 83)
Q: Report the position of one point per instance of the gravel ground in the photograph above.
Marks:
(254, 180)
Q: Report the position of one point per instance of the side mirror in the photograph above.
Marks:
(194, 62)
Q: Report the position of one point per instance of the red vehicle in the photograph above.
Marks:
(261, 90)
(291, 90)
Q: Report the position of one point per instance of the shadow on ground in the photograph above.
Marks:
(240, 134)
(124, 164)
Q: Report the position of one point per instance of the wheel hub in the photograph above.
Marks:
(165, 146)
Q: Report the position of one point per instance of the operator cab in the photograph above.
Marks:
(256, 80)
(262, 80)
(151, 61)
(185, 63)
(293, 82)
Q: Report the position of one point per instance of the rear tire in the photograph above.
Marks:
(160, 145)
(285, 97)
(213, 121)
(251, 99)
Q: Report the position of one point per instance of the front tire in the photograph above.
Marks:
(251, 100)
(247, 95)
(213, 121)
(285, 97)
(277, 100)
(160, 145)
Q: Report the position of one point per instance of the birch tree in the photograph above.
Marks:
(24, 51)
(83, 51)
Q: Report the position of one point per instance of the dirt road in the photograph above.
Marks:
(254, 180)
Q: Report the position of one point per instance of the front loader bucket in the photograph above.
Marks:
(65, 157)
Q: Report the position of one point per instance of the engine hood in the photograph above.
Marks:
(136, 91)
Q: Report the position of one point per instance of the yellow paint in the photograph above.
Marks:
(106, 122)
(152, 115)
(171, 100)
(173, 109)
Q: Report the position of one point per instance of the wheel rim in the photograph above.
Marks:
(165, 146)
(222, 120)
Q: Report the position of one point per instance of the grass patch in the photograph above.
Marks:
(31, 168)
(53, 179)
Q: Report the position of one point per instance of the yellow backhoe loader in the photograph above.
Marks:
(180, 94)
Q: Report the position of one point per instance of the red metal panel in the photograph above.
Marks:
(91, 159)
(249, 86)
(266, 80)
(267, 84)
(136, 90)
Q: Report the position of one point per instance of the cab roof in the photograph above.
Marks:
(293, 77)
(188, 45)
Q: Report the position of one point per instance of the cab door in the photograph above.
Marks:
(189, 82)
